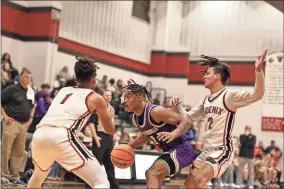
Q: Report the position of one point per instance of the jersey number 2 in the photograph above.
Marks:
(65, 98)
(210, 121)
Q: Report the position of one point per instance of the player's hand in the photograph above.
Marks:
(166, 136)
(174, 101)
(97, 141)
(260, 61)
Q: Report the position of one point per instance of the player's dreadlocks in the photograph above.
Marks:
(137, 89)
(85, 68)
(219, 67)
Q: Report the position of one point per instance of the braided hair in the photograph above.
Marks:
(219, 67)
(85, 68)
(137, 89)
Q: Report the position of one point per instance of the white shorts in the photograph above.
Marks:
(219, 160)
(58, 144)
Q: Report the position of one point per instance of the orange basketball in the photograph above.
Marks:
(122, 156)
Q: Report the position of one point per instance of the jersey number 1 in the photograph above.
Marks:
(65, 98)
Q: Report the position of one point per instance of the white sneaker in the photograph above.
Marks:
(250, 187)
(233, 185)
(209, 184)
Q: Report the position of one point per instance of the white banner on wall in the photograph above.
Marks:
(272, 109)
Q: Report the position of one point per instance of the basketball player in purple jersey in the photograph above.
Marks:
(151, 119)
(218, 109)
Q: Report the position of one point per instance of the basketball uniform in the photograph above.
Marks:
(55, 137)
(178, 153)
(218, 148)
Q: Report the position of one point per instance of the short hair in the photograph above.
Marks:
(45, 86)
(111, 81)
(25, 70)
(85, 68)
(139, 90)
(219, 67)
(107, 90)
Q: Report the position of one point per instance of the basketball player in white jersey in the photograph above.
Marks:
(55, 137)
(218, 109)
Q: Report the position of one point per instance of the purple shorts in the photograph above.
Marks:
(178, 157)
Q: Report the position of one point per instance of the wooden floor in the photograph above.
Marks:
(73, 185)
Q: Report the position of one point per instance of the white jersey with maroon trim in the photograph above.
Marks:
(219, 122)
(68, 109)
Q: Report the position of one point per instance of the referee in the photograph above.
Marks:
(103, 142)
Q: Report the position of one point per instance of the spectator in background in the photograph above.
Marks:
(43, 101)
(246, 156)
(272, 147)
(13, 71)
(157, 99)
(111, 86)
(278, 165)
(117, 135)
(18, 112)
(259, 149)
(5, 81)
(64, 75)
(6, 57)
(124, 139)
(54, 93)
(7, 69)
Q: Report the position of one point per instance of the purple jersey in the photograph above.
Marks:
(150, 128)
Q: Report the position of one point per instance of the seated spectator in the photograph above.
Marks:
(260, 170)
(278, 165)
(271, 147)
(259, 149)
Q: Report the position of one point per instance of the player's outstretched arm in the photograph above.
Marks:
(97, 103)
(195, 114)
(237, 99)
(139, 141)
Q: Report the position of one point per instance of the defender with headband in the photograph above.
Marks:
(151, 119)
(218, 110)
(55, 137)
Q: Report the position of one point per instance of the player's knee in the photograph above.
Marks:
(154, 172)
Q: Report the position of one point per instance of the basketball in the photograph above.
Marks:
(122, 156)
